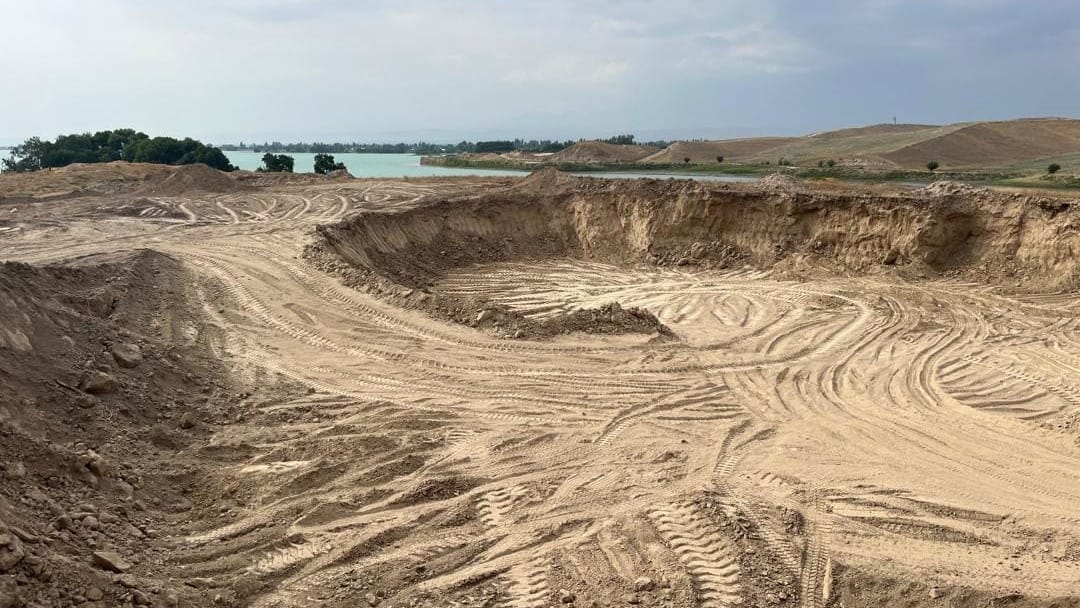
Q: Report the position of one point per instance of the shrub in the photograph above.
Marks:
(719, 159)
(1053, 168)
(932, 165)
(831, 163)
(276, 163)
(324, 163)
(686, 160)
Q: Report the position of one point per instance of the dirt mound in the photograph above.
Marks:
(98, 178)
(600, 152)
(90, 399)
(118, 177)
(546, 181)
(779, 182)
(188, 179)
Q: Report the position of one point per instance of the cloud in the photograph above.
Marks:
(350, 69)
(569, 70)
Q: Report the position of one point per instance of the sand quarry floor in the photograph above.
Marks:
(836, 440)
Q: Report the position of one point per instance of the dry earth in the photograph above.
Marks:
(287, 392)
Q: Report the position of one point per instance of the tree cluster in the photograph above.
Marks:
(324, 163)
(107, 146)
(276, 163)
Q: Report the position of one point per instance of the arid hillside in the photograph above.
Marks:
(999, 144)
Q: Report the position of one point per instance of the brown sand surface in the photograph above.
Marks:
(538, 392)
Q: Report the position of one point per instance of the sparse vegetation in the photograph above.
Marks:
(276, 163)
(932, 165)
(324, 163)
(1053, 168)
(830, 163)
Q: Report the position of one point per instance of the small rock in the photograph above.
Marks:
(110, 560)
(139, 598)
(11, 550)
(99, 383)
(126, 355)
(9, 597)
(91, 523)
(187, 421)
(935, 593)
(566, 597)
(371, 599)
(633, 599)
(15, 470)
(644, 583)
(94, 594)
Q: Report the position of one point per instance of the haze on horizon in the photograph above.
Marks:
(446, 70)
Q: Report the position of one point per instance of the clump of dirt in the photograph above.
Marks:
(189, 179)
(88, 385)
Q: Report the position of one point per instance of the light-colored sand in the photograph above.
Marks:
(895, 428)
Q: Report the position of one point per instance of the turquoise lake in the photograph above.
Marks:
(408, 165)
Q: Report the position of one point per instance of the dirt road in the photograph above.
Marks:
(799, 441)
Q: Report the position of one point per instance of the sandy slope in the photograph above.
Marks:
(993, 144)
(818, 419)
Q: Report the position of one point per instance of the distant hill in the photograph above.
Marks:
(702, 152)
(992, 144)
(599, 152)
(998, 144)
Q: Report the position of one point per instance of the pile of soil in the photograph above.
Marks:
(119, 177)
(95, 402)
(189, 179)
(600, 152)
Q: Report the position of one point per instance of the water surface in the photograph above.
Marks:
(408, 165)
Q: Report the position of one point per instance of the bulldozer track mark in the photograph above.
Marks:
(707, 556)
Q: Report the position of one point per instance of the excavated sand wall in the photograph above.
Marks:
(959, 230)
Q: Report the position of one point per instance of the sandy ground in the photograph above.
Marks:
(843, 440)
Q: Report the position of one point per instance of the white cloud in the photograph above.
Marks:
(569, 70)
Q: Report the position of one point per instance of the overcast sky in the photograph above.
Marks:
(444, 70)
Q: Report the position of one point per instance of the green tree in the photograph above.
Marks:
(1053, 168)
(276, 163)
(932, 165)
(111, 146)
(324, 163)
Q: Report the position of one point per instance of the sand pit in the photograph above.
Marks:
(744, 396)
